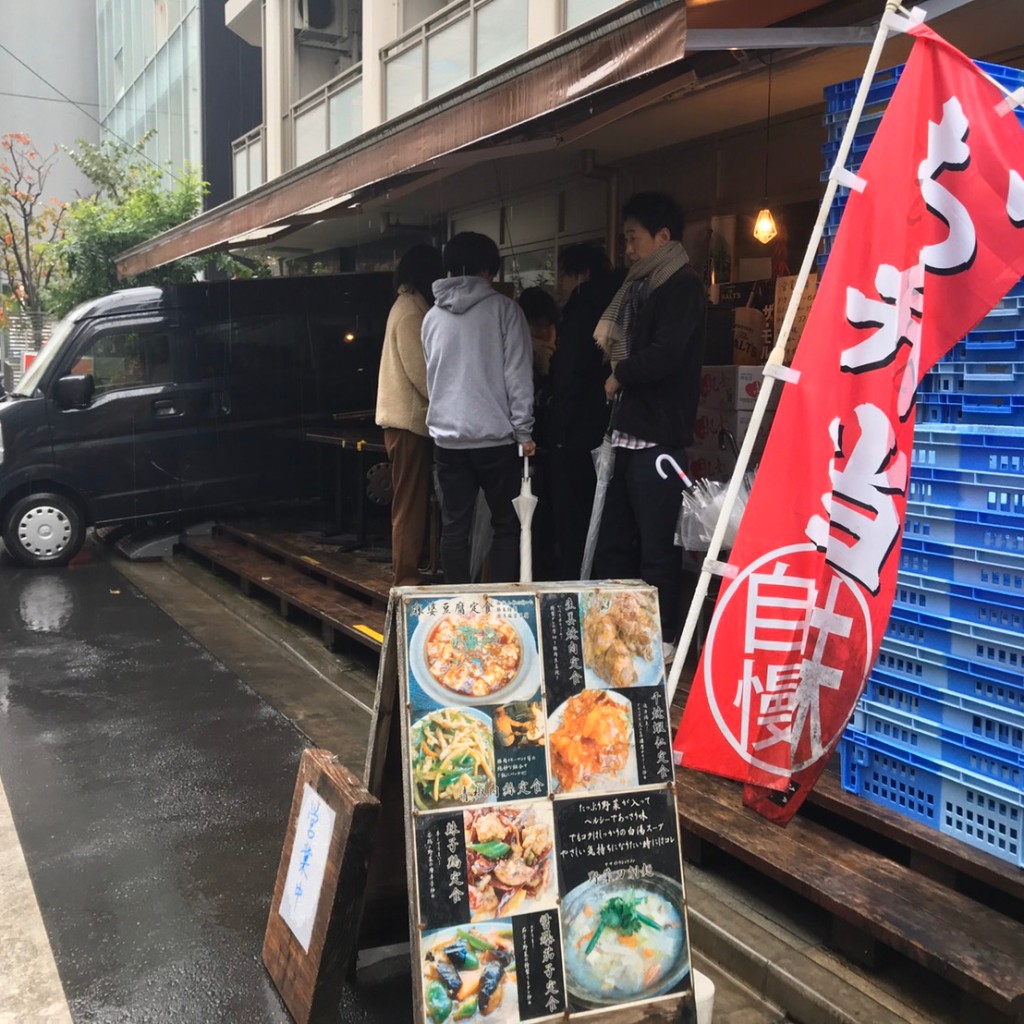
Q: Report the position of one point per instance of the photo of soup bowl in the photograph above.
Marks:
(492, 660)
(624, 940)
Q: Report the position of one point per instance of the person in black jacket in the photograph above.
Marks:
(653, 334)
(578, 409)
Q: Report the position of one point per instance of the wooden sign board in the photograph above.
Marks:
(542, 841)
(312, 932)
(784, 289)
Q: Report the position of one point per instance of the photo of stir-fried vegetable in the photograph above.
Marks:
(469, 974)
(452, 753)
(508, 860)
(620, 638)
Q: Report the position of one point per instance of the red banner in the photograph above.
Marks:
(923, 252)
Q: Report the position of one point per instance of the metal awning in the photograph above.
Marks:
(551, 95)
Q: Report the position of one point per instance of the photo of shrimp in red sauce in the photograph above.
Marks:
(473, 655)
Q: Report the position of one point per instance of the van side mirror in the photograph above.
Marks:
(74, 391)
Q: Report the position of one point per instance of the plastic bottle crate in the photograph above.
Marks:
(985, 683)
(965, 716)
(964, 530)
(1002, 494)
(979, 811)
(1005, 410)
(992, 377)
(954, 600)
(976, 567)
(933, 740)
(981, 449)
(954, 636)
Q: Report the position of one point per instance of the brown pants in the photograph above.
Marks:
(410, 456)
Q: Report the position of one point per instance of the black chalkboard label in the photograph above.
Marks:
(441, 867)
(539, 965)
(562, 647)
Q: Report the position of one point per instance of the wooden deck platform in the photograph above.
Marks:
(887, 883)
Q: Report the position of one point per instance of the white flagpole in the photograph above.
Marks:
(778, 353)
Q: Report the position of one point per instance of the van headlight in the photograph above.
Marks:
(1, 444)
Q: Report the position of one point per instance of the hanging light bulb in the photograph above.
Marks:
(764, 227)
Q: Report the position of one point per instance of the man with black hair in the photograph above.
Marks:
(653, 335)
(480, 403)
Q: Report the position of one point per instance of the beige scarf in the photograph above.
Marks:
(613, 333)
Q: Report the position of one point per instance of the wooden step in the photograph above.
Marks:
(927, 850)
(368, 580)
(338, 612)
(871, 898)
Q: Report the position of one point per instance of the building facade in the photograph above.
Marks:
(171, 72)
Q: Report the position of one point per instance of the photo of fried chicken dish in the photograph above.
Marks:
(617, 630)
(508, 859)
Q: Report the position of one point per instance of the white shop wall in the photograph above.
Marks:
(536, 225)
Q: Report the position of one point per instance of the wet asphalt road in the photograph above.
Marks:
(149, 787)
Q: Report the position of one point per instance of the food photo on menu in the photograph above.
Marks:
(623, 911)
(621, 638)
(478, 729)
(608, 724)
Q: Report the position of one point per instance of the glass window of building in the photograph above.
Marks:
(500, 32)
(579, 11)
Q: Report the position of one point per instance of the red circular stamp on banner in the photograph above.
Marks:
(789, 648)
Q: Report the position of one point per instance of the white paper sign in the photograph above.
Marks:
(313, 830)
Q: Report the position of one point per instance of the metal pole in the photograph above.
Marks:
(777, 357)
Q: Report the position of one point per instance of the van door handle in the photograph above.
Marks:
(165, 407)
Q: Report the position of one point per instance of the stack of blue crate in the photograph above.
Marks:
(939, 732)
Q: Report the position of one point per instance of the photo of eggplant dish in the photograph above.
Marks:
(469, 974)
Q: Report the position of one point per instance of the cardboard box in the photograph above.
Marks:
(711, 421)
(730, 387)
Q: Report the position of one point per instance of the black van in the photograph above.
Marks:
(152, 403)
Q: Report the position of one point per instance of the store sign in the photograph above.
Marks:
(545, 868)
(928, 246)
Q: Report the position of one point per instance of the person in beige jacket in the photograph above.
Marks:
(402, 409)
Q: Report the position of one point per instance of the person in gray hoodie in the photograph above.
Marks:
(480, 403)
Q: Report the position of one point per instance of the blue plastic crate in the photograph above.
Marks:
(1001, 727)
(1000, 570)
(957, 601)
(1005, 410)
(966, 531)
(983, 449)
(1001, 494)
(933, 740)
(986, 683)
(889, 780)
(979, 811)
(964, 377)
(953, 636)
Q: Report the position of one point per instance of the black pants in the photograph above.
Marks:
(572, 496)
(461, 473)
(638, 529)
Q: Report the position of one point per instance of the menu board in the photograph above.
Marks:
(545, 868)
(784, 289)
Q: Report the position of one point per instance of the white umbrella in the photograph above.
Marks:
(604, 466)
(524, 506)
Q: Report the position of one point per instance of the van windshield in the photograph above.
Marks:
(50, 351)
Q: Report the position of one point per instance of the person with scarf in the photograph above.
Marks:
(653, 335)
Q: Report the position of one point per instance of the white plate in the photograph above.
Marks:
(648, 673)
(491, 795)
(523, 684)
(627, 777)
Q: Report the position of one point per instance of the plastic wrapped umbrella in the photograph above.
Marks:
(604, 466)
(524, 506)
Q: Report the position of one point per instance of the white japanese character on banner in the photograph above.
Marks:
(1015, 200)
(947, 151)
(862, 523)
(896, 315)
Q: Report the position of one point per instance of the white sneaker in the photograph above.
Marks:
(668, 652)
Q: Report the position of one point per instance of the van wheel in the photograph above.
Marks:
(44, 529)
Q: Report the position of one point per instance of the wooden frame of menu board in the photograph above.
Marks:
(543, 858)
